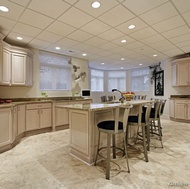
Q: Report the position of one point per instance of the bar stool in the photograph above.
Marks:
(156, 112)
(141, 121)
(111, 128)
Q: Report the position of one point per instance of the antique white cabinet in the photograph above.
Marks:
(21, 119)
(38, 116)
(182, 109)
(15, 65)
(172, 108)
(181, 72)
(61, 116)
(5, 126)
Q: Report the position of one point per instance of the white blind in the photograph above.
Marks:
(97, 80)
(117, 80)
(140, 79)
(55, 72)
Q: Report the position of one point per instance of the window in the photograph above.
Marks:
(97, 80)
(140, 79)
(117, 80)
(55, 72)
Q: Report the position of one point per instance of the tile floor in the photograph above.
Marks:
(43, 162)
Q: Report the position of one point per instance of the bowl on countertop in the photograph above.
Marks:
(8, 101)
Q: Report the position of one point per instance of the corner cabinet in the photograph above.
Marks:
(181, 72)
(16, 66)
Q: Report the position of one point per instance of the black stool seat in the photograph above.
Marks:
(109, 125)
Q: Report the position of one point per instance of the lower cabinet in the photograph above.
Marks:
(21, 119)
(38, 116)
(6, 134)
(61, 115)
(180, 109)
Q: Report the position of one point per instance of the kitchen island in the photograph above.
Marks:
(83, 119)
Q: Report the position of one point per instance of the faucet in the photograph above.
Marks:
(122, 97)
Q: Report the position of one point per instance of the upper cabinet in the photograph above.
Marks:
(16, 66)
(181, 72)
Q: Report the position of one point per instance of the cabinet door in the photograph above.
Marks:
(61, 115)
(182, 73)
(32, 119)
(21, 119)
(5, 126)
(180, 110)
(29, 71)
(188, 111)
(172, 108)
(18, 69)
(45, 118)
(6, 69)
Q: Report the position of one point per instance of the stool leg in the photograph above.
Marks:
(113, 144)
(160, 132)
(144, 144)
(97, 148)
(148, 136)
(108, 156)
(126, 155)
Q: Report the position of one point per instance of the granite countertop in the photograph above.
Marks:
(17, 101)
(180, 97)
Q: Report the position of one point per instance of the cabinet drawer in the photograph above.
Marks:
(38, 105)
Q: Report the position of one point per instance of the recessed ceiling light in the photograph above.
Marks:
(96, 4)
(155, 55)
(83, 54)
(131, 27)
(123, 41)
(140, 64)
(19, 38)
(121, 67)
(4, 9)
(58, 48)
(102, 63)
(122, 58)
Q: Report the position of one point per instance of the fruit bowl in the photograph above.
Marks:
(128, 96)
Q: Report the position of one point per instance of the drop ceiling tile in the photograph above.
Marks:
(72, 2)
(95, 27)
(134, 45)
(183, 44)
(60, 28)
(107, 46)
(79, 35)
(160, 44)
(35, 19)
(52, 48)
(26, 29)
(75, 17)
(116, 16)
(111, 34)
(182, 5)
(47, 7)
(39, 44)
(21, 2)
(152, 39)
(159, 14)
(94, 50)
(139, 6)
(186, 16)
(176, 32)
(118, 50)
(11, 38)
(144, 33)
(95, 41)
(173, 52)
(127, 38)
(105, 53)
(105, 6)
(6, 24)
(67, 42)
(186, 49)
(82, 47)
(169, 24)
(13, 15)
(135, 21)
(48, 36)
(180, 38)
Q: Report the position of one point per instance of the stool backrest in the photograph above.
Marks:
(124, 116)
(103, 98)
(163, 102)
